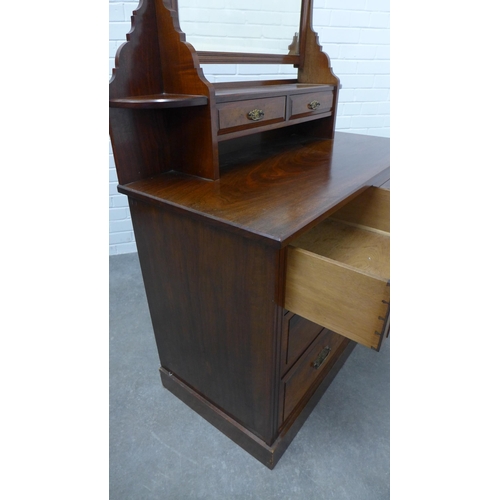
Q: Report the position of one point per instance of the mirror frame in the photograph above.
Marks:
(297, 60)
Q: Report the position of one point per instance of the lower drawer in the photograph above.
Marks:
(298, 334)
(338, 272)
(309, 368)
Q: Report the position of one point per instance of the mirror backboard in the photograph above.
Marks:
(244, 26)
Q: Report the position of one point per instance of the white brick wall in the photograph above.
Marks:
(354, 33)
(265, 26)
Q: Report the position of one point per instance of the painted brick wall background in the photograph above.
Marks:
(355, 35)
(265, 26)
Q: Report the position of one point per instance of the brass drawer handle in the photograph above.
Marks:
(321, 357)
(314, 105)
(256, 115)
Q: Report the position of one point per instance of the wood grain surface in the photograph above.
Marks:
(275, 192)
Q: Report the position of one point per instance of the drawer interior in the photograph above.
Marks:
(360, 247)
(338, 272)
(370, 209)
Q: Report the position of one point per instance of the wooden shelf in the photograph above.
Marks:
(208, 57)
(158, 101)
(248, 90)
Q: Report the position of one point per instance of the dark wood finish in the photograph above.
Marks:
(246, 58)
(298, 380)
(315, 64)
(156, 62)
(298, 96)
(301, 104)
(159, 101)
(236, 114)
(225, 93)
(281, 126)
(215, 289)
(299, 183)
(213, 311)
(315, 68)
(300, 413)
(231, 428)
(215, 201)
(298, 334)
(267, 455)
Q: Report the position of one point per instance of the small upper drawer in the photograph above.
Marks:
(312, 103)
(338, 272)
(251, 113)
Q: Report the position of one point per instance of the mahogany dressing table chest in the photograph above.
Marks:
(263, 235)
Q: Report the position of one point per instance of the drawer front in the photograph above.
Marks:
(298, 334)
(309, 104)
(251, 113)
(338, 273)
(309, 369)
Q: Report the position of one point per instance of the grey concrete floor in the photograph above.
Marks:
(161, 449)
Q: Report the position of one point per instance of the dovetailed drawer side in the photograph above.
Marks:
(338, 272)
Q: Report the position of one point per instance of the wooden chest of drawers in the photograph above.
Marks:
(250, 328)
(262, 241)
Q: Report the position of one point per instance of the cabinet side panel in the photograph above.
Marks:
(140, 143)
(212, 300)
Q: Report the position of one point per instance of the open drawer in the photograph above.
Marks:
(338, 272)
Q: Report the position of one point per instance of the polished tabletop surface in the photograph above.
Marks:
(275, 192)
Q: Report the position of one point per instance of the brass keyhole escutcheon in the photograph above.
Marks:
(321, 357)
(314, 105)
(255, 115)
